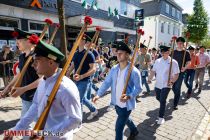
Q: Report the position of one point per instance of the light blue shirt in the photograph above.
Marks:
(134, 85)
(65, 113)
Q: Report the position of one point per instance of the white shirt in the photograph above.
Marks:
(204, 59)
(120, 86)
(65, 113)
(161, 68)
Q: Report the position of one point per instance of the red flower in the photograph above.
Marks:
(139, 31)
(57, 25)
(88, 20)
(98, 28)
(34, 39)
(48, 21)
(15, 34)
(188, 34)
(174, 37)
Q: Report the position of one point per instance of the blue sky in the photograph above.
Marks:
(187, 5)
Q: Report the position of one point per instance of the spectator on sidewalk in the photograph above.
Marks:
(6, 59)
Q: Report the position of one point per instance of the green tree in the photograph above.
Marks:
(206, 42)
(198, 23)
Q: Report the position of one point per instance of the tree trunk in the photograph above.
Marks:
(61, 16)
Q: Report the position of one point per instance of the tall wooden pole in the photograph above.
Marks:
(185, 51)
(63, 42)
(40, 124)
(171, 62)
(140, 33)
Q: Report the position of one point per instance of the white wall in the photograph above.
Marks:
(152, 27)
(166, 37)
(131, 10)
(149, 30)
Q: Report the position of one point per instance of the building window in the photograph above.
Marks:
(174, 31)
(178, 14)
(173, 12)
(162, 27)
(169, 29)
(167, 8)
(37, 27)
(7, 23)
(123, 7)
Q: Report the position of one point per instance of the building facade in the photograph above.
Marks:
(21, 14)
(163, 19)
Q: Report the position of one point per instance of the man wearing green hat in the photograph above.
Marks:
(161, 68)
(124, 104)
(144, 61)
(30, 79)
(65, 113)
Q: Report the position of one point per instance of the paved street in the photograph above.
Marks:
(180, 124)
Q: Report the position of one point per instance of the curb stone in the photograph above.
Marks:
(201, 129)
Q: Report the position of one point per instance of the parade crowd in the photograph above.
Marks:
(107, 64)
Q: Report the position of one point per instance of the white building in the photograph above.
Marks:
(163, 20)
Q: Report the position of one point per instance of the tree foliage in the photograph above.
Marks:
(198, 23)
(206, 42)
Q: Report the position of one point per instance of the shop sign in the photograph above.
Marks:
(43, 3)
(36, 3)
